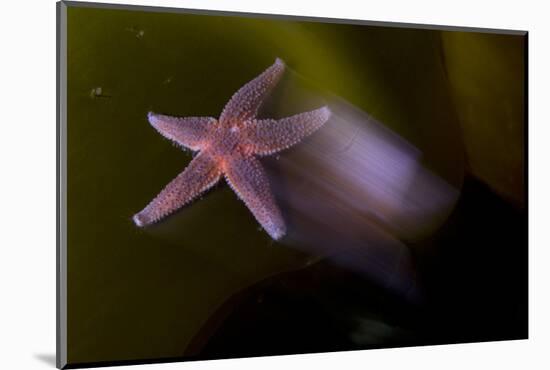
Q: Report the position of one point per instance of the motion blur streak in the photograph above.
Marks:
(354, 191)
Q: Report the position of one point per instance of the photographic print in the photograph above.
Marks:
(237, 185)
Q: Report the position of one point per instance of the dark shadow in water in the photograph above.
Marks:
(473, 276)
(47, 358)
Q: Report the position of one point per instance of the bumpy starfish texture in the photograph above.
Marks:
(228, 147)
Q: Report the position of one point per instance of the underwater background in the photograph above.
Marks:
(220, 287)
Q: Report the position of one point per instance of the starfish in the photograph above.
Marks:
(229, 147)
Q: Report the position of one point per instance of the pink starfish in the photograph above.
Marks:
(229, 146)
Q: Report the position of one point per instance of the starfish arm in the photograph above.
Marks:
(244, 104)
(190, 132)
(200, 175)
(269, 136)
(247, 178)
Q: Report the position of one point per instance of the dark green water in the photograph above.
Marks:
(135, 294)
